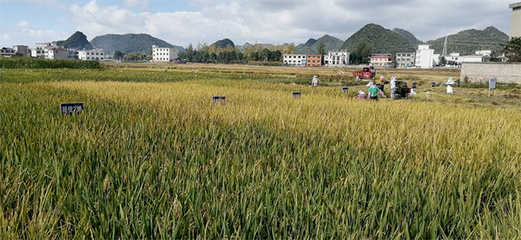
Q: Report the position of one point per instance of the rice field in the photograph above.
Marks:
(150, 156)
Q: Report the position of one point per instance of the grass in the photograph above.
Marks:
(151, 157)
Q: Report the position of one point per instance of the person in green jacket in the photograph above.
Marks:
(373, 91)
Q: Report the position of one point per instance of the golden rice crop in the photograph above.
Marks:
(159, 160)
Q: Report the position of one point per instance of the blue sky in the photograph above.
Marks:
(183, 22)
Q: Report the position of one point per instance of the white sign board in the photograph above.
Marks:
(492, 83)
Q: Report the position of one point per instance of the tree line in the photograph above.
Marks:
(257, 52)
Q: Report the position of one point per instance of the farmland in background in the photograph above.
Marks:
(150, 156)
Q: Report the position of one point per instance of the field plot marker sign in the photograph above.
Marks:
(296, 94)
(219, 100)
(71, 108)
(345, 89)
(491, 85)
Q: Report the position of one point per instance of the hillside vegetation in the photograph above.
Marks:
(408, 36)
(330, 43)
(469, 41)
(77, 40)
(129, 43)
(382, 40)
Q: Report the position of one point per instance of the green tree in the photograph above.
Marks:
(512, 49)
(443, 61)
(289, 49)
(190, 53)
(496, 56)
(361, 53)
(276, 56)
(321, 49)
(118, 55)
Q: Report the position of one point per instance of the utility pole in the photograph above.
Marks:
(444, 52)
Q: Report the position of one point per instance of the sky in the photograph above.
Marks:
(184, 22)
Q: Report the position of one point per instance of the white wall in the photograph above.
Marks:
(482, 72)
(424, 57)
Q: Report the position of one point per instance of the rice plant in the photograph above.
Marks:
(157, 159)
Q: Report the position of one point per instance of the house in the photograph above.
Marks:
(7, 52)
(21, 50)
(381, 60)
(58, 53)
(405, 59)
(337, 58)
(453, 59)
(425, 57)
(40, 51)
(97, 55)
(314, 60)
(456, 59)
(164, 54)
(474, 58)
(299, 60)
(484, 52)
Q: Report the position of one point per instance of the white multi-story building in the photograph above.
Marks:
(453, 59)
(41, 50)
(7, 52)
(337, 58)
(405, 59)
(160, 54)
(295, 60)
(425, 57)
(97, 55)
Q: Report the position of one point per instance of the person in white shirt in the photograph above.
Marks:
(393, 87)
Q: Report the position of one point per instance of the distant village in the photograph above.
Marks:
(423, 57)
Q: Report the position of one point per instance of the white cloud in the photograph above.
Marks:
(24, 24)
(264, 21)
(139, 4)
(28, 34)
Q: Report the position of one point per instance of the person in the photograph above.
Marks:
(393, 87)
(373, 91)
(314, 81)
(361, 95)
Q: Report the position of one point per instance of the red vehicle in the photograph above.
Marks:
(366, 73)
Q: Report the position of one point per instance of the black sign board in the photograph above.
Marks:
(297, 94)
(345, 89)
(218, 99)
(71, 108)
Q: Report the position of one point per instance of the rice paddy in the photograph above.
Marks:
(150, 156)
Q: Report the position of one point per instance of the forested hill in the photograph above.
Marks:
(330, 43)
(130, 43)
(408, 36)
(380, 40)
(77, 40)
(468, 41)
